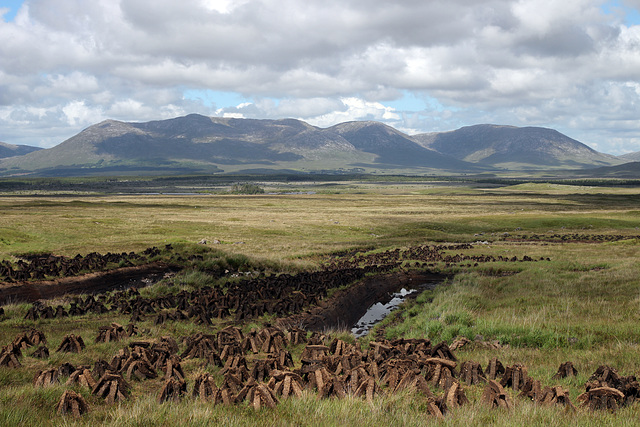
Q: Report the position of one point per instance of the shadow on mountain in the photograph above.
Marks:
(232, 151)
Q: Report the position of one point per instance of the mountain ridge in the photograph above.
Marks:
(502, 145)
(631, 157)
(12, 150)
(215, 144)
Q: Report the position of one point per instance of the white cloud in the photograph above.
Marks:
(223, 6)
(356, 109)
(322, 112)
(74, 83)
(233, 115)
(79, 114)
(567, 65)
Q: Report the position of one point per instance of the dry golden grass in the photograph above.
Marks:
(287, 227)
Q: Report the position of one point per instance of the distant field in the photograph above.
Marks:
(293, 226)
(582, 304)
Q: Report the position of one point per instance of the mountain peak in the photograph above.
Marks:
(353, 126)
(511, 146)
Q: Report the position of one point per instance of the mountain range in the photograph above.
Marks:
(514, 147)
(631, 157)
(11, 150)
(200, 144)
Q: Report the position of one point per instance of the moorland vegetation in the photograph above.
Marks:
(539, 274)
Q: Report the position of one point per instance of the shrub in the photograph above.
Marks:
(247, 188)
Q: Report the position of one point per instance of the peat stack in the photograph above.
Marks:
(112, 388)
(71, 344)
(71, 403)
(494, 396)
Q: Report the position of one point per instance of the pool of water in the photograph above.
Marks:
(378, 311)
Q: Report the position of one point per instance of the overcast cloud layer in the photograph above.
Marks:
(420, 66)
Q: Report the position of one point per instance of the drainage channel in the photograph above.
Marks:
(378, 311)
(93, 283)
(346, 307)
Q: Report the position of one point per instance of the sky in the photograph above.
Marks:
(417, 65)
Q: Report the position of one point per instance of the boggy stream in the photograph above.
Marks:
(377, 312)
(360, 307)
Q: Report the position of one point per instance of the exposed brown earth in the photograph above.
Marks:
(92, 283)
(570, 238)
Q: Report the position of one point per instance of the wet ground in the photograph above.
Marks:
(358, 308)
(94, 283)
(377, 312)
(346, 308)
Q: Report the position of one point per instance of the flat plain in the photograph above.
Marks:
(578, 300)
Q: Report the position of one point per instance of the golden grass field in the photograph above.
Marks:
(583, 305)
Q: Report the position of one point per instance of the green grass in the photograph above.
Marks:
(285, 227)
(583, 305)
(547, 305)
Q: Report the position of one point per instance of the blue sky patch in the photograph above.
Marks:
(13, 6)
(408, 102)
(631, 15)
(214, 98)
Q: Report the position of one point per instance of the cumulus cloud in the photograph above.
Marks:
(572, 65)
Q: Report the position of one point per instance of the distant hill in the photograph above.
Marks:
(513, 147)
(629, 170)
(10, 150)
(631, 157)
(210, 144)
(199, 144)
(394, 147)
